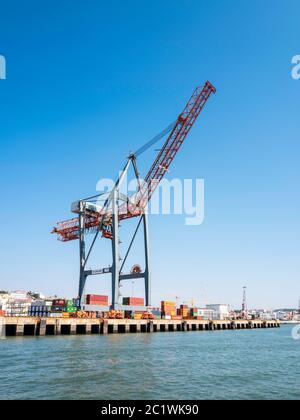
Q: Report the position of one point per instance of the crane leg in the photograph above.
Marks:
(82, 276)
(147, 261)
(115, 252)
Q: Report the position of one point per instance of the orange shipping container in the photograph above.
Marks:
(168, 308)
(168, 303)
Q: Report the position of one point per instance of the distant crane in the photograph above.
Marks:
(105, 218)
(245, 305)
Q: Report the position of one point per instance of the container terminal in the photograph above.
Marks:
(24, 314)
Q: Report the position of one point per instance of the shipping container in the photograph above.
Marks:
(98, 304)
(133, 301)
(56, 315)
(169, 313)
(168, 303)
(57, 308)
(168, 308)
(71, 309)
(59, 302)
(99, 300)
(156, 312)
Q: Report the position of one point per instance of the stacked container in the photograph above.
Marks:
(40, 308)
(70, 307)
(168, 309)
(183, 311)
(18, 307)
(138, 315)
(156, 312)
(133, 301)
(58, 306)
(196, 313)
(128, 314)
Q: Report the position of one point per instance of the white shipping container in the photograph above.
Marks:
(38, 303)
(56, 315)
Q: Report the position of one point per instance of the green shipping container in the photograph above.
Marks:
(71, 309)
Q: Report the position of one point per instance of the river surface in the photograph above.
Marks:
(258, 364)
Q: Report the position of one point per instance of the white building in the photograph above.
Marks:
(207, 314)
(222, 311)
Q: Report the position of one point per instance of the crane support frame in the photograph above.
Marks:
(116, 269)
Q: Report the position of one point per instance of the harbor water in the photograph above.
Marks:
(248, 364)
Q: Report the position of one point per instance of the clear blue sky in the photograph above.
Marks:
(87, 81)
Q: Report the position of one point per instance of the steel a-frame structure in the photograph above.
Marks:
(114, 205)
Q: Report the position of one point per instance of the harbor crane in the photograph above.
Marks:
(115, 207)
(244, 304)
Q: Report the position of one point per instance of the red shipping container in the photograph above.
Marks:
(140, 301)
(59, 302)
(133, 301)
(97, 303)
(95, 298)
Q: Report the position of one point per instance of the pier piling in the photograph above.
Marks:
(20, 327)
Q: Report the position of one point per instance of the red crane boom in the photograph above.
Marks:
(173, 143)
(69, 230)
